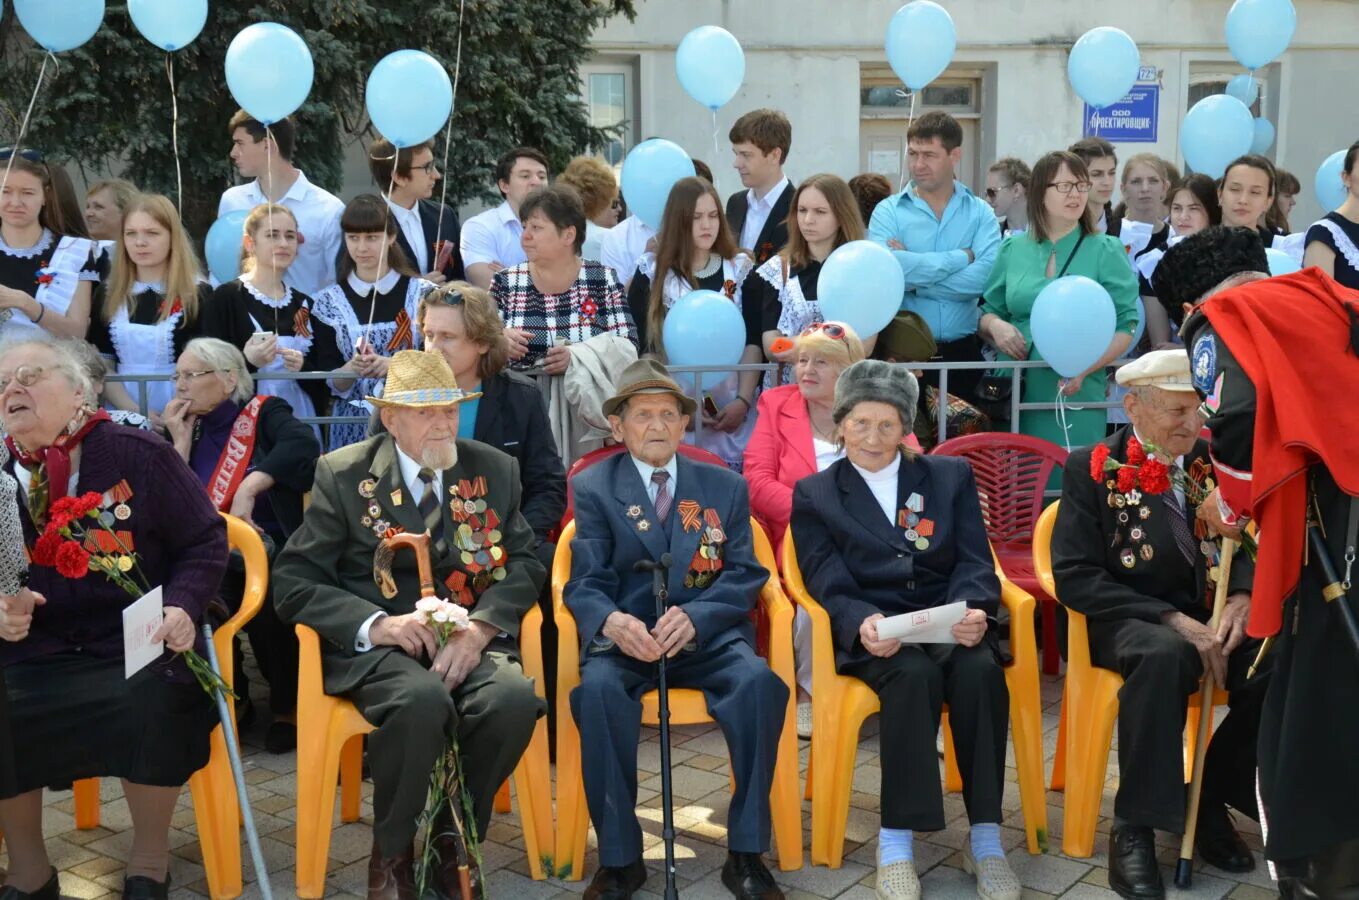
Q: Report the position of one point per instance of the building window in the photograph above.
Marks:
(610, 100)
(1209, 78)
(885, 108)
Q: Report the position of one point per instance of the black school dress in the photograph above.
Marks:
(144, 337)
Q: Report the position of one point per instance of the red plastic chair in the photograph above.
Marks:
(1012, 471)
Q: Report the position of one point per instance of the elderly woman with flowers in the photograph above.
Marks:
(108, 513)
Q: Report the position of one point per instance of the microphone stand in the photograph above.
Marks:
(660, 572)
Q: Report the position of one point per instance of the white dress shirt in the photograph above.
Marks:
(415, 489)
(318, 225)
(644, 469)
(492, 236)
(827, 452)
(623, 245)
(757, 213)
(411, 227)
(883, 484)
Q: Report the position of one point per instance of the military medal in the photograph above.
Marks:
(917, 528)
(396, 497)
(922, 544)
(690, 511)
(1136, 534)
(1144, 513)
(120, 493)
(374, 510)
(644, 525)
(367, 488)
(915, 503)
(365, 521)
(911, 535)
(1147, 552)
(1128, 558)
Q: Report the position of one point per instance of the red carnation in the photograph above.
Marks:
(66, 506)
(1154, 477)
(72, 560)
(1127, 479)
(88, 502)
(45, 549)
(1097, 458)
(1136, 455)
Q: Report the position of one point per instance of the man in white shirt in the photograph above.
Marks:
(266, 156)
(759, 215)
(377, 650)
(490, 240)
(623, 245)
(429, 229)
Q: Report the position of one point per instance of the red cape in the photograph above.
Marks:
(1291, 335)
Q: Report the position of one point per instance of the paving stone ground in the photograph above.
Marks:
(90, 862)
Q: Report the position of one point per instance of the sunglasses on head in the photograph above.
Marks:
(450, 298)
(33, 156)
(829, 329)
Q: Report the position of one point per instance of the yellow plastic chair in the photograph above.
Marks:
(841, 703)
(330, 750)
(1090, 703)
(687, 707)
(212, 787)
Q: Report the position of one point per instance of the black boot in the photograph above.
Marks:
(1133, 872)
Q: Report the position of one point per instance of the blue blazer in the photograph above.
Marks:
(611, 502)
(857, 563)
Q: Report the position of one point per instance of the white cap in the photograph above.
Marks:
(1165, 369)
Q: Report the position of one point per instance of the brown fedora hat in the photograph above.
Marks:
(647, 376)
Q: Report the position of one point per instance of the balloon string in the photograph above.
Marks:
(717, 155)
(448, 136)
(1061, 416)
(174, 132)
(23, 126)
(382, 255)
(906, 151)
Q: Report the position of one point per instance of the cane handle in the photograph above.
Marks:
(419, 544)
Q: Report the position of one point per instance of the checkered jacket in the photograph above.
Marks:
(594, 304)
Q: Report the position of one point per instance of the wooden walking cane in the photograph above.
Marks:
(382, 575)
(1184, 869)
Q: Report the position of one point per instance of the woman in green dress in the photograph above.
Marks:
(1061, 240)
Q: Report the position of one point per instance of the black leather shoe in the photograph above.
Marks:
(1133, 872)
(281, 737)
(140, 887)
(1218, 843)
(746, 876)
(617, 882)
(49, 891)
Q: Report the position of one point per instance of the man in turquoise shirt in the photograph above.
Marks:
(945, 238)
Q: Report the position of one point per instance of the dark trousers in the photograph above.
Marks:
(961, 382)
(273, 643)
(546, 552)
(912, 686)
(492, 715)
(1161, 670)
(745, 697)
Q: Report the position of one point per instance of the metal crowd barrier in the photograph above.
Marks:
(138, 388)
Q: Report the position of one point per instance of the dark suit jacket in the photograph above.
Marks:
(324, 576)
(1088, 543)
(429, 219)
(857, 563)
(608, 542)
(774, 234)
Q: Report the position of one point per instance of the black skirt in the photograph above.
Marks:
(73, 716)
(6, 744)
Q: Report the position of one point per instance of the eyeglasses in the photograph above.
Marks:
(428, 168)
(992, 192)
(33, 156)
(1066, 187)
(829, 329)
(192, 376)
(27, 376)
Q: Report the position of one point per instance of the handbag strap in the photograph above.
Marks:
(1080, 240)
(1351, 538)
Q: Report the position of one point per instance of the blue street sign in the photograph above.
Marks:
(1131, 120)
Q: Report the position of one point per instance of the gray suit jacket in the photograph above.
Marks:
(324, 576)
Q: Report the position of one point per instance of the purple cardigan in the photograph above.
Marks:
(179, 539)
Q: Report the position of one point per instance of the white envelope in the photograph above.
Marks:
(140, 621)
(925, 626)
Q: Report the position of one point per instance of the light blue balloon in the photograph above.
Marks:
(169, 24)
(1216, 131)
(1264, 136)
(1330, 190)
(1245, 88)
(222, 246)
(1281, 263)
(59, 25)
(710, 65)
(920, 42)
(269, 71)
(704, 328)
(409, 97)
(1103, 66)
(1259, 30)
(650, 170)
(862, 285)
(1072, 322)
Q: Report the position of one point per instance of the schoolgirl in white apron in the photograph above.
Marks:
(50, 271)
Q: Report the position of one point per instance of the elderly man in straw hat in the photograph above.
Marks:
(1128, 553)
(375, 649)
(637, 507)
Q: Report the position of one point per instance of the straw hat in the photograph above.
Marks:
(647, 376)
(418, 379)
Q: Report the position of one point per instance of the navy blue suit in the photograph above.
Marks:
(745, 697)
(857, 563)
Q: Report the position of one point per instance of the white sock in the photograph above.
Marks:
(986, 841)
(895, 845)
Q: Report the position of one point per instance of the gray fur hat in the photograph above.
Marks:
(877, 381)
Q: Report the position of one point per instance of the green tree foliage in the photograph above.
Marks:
(106, 106)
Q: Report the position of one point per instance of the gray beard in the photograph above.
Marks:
(439, 459)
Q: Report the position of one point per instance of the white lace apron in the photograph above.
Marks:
(146, 350)
(288, 389)
(67, 270)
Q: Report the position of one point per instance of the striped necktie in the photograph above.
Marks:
(429, 505)
(664, 501)
(1179, 526)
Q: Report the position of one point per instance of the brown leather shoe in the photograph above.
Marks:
(392, 877)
